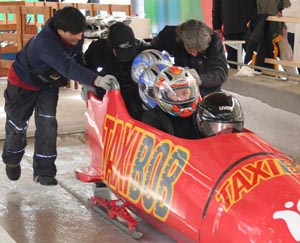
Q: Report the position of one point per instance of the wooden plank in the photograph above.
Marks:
(53, 5)
(7, 27)
(284, 19)
(282, 62)
(64, 4)
(8, 37)
(282, 75)
(5, 63)
(14, 3)
(10, 49)
(84, 6)
(4, 67)
(121, 8)
(234, 42)
(29, 4)
(36, 10)
(39, 4)
(97, 7)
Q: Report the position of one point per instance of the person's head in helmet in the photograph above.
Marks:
(147, 58)
(176, 91)
(146, 83)
(219, 113)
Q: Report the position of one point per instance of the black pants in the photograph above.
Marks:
(19, 106)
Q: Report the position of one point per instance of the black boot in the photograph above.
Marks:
(45, 180)
(13, 172)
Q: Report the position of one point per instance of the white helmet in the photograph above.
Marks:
(176, 91)
(147, 58)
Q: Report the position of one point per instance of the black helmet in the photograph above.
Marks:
(219, 113)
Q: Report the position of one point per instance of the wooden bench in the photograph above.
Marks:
(238, 45)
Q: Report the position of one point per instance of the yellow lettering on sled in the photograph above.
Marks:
(139, 168)
(249, 176)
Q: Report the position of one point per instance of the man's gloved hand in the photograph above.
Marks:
(194, 73)
(105, 82)
(86, 89)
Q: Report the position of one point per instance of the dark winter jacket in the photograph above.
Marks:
(233, 15)
(99, 57)
(211, 65)
(177, 126)
(47, 50)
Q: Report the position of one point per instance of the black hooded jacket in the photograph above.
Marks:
(100, 58)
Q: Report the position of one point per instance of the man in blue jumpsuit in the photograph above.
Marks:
(58, 47)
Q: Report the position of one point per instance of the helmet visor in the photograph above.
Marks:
(182, 101)
(210, 128)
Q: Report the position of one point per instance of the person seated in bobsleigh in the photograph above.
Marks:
(146, 84)
(114, 55)
(177, 95)
(147, 58)
(219, 113)
(171, 108)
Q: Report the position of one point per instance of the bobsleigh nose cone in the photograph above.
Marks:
(265, 209)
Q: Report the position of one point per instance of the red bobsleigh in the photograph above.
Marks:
(227, 188)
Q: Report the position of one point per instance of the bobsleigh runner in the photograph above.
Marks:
(226, 188)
